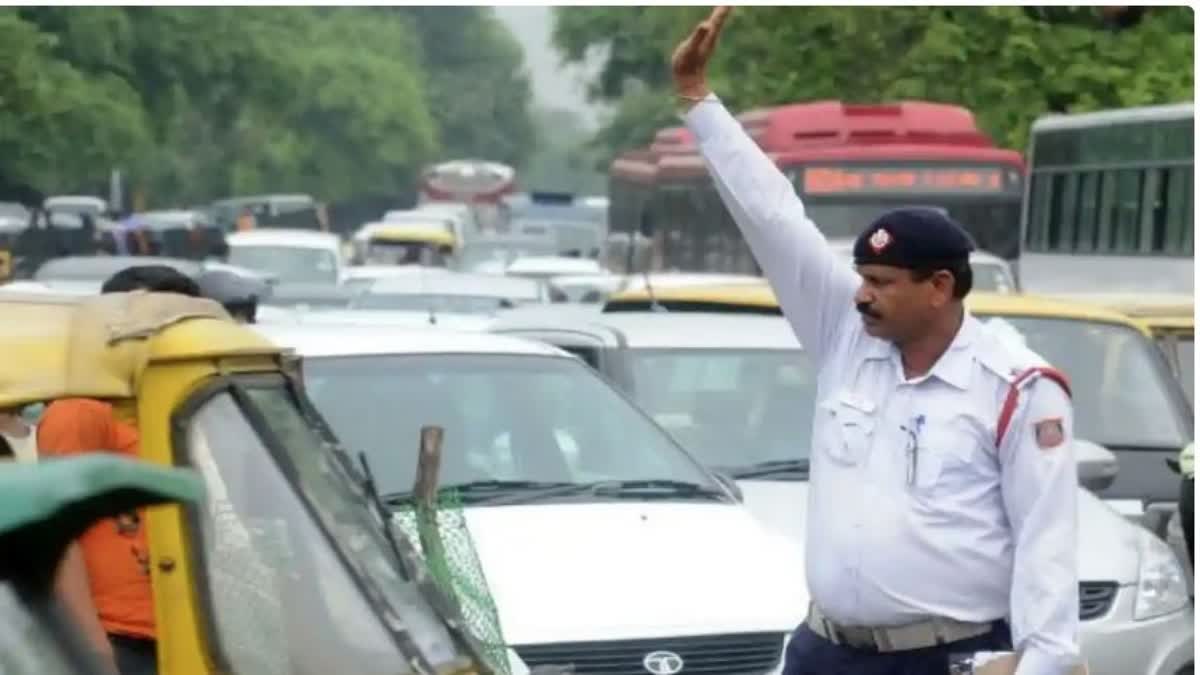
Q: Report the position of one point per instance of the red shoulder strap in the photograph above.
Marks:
(1014, 393)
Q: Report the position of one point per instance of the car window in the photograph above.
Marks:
(1121, 387)
(730, 407)
(506, 417)
(289, 264)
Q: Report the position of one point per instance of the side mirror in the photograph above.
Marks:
(1096, 465)
(730, 484)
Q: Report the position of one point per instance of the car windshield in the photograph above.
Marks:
(1185, 347)
(730, 407)
(288, 263)
(1121, 387)
(273, 569)
(404, 253)
(503, 253)
(452, 304)
(991, 276)
(567, 425)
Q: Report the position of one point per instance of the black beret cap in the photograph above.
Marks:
(913, 237)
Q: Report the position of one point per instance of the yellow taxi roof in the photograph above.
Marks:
(760, 296)
(415, 233)
(1176, 308)
(98, 346)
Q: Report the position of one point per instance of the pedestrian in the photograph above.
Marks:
(104, 578)
(942, 505)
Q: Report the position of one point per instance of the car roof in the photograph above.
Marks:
(458, 283)
(389, 271)
(553, 264)
(761, 297)
(389, 317)
(102, 267)
(363, 340)
(284, 237)
(666, 330)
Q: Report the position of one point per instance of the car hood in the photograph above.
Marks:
(611, 571)
(1108, 543)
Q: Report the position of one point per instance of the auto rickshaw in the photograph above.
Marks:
(43, 508)
(383, 244)
(289, 565)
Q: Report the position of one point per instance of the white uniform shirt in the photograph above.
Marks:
(979, 533)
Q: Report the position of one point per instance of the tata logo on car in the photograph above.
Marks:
(663, 663)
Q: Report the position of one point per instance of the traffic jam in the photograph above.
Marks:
(505, 430)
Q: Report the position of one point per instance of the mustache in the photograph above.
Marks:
(864, 308)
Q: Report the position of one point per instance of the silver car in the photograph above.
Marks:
(738, 392)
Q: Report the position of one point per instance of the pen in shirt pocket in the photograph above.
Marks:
(913, 429)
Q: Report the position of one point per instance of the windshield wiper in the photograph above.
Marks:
(482, 490)
(656, 488)
(779, 467)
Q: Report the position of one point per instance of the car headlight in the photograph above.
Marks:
(1162, 586)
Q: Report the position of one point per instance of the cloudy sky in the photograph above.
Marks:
(553, 84)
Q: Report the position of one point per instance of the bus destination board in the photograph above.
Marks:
(877, 180)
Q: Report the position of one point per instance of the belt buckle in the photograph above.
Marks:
(857, 637)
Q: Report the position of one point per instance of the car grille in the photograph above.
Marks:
(740, 654)
(1095, 599)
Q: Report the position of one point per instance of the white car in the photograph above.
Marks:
(990, 272)
(292, 256)
(602, 541)
(359, 277)
(545, 267)
(737, 392)
(452, 292)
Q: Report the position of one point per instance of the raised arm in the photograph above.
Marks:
(814, 287)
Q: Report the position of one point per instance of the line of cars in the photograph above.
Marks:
(714, 366)
(701, 369)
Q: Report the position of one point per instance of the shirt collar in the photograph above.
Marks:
(954, 366)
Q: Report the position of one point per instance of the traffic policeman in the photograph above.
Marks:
(942, 504)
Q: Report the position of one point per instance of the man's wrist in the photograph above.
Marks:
(690, 96)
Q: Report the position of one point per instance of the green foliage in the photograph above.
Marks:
(194, 104)
(1007, 64)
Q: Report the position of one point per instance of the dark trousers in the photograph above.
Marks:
(135, 656)
(811, 654)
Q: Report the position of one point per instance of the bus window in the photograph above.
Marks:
(1148, 231)
(1179, 210)
(1085, 228)
(1125, 217)
(1108, 199)
(1068, 208)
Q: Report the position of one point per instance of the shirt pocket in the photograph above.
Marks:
(847, 428)
(944, 452)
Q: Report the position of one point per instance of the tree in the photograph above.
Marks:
(477, 88)
(1007, 64)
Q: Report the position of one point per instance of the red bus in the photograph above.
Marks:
(848, 162)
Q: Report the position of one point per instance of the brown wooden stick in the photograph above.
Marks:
(425, 489)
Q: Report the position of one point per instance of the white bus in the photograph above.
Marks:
(1108, 204)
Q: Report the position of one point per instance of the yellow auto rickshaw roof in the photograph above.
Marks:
(98, 347)
(760, 296)
(407, 233)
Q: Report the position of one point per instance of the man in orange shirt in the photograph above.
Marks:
(115, 564)
(105, 576)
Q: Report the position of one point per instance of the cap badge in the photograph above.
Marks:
(880, 240)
